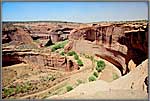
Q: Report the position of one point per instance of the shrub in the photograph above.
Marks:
(62, 53)
(115, 76)
(80, 63)
(91, 58)
(8, 91)
(95, 74)
(51, 77)
(100, 63)
(62, 44)
(59, 45)
(71, 53)
(86, 56)
(99, 69)
(53, 49)
(18, 90)
(100, 66)
(79, 81)
(76, 57)
(92, 78)
(24, 89)
(69, 88)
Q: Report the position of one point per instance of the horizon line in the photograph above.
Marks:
(63, 21)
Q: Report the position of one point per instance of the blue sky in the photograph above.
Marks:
(74, 11)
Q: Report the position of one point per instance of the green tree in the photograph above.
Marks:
(100, 66)
(76, 57)
(80, 63)
(95, 74)
(92, 78)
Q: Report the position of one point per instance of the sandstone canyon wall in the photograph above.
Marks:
(117, 43)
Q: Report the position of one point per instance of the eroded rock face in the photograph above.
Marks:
(117, 43)
(15, 34)
(68, 47)
(38, 60)
(137, 43)
(71, 66)
(9, 60)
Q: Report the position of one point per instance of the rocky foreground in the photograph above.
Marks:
(130, 86)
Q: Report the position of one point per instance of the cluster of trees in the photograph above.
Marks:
(99, 67)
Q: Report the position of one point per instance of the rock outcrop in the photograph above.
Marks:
(134, 79)
(37, 59)
(13, 33)
(117, 43)
(68, 47)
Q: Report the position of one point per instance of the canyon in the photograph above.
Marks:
(50, 56)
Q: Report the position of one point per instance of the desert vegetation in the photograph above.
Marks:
(58, 45)
(92, 78)
(69, 88)
(115, 76)
(100, 66)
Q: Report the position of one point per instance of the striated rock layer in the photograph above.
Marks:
(38, 59)
(117, 43)
(15, 34)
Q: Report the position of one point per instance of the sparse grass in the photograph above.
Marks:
(92, 78)
(115, 76)
(16, 89)
(49, 78)
(69, 88)
(58, 91)
(79, 82)
(91, 58)
(86, 56)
